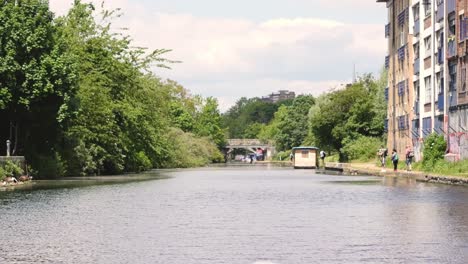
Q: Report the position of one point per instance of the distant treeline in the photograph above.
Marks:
(76, 98)
(348, 122)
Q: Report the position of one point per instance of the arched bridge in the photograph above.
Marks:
(251, 145)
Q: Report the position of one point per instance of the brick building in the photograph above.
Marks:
(426, 61)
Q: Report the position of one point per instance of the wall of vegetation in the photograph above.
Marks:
(77, 99)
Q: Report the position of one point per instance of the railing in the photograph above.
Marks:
(401, 88)
(451, 48)
(386, 94)
(387, 30)
(451, 6)
(387, 62)
(402, 17)
(416, 27)
(416, 66)
(440, 11)
(401, 53)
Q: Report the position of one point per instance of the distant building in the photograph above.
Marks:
(281, 95)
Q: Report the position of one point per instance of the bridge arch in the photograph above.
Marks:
(250, 145)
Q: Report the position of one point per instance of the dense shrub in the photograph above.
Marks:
(187, 150)
(2, 174)
(282, 155)
(362, 149)
(434, 151)
(49, 166)
(12, 169)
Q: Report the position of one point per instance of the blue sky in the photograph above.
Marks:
(232, 49)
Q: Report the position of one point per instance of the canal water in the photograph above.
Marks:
(234, 215)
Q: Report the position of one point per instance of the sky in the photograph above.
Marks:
(249, 48)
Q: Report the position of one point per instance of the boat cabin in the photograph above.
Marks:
(305, 157)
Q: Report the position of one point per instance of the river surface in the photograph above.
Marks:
(235, 215)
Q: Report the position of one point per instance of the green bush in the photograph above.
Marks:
(282, 155)
(49, 166)
(2, 174)
(12, 169)
(187, 150)
(141, 162)
(434, 151)
(362, 148)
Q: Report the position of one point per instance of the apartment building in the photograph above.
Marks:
(426, 61)
(281, 95)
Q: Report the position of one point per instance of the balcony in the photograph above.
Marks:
(451, 49)
(451, 6)
(387, 62)
(386, 94)
(416, 66)
(440, 11)
(416, 28)
(387, 30)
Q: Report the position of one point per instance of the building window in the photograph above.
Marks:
(416, 12)
(451, 23)
(427, 10)
(427, 85)
(463, 77)
(438, 83)
(427, 46)
(416, 91)
(416, 51)
(427, 126)
(305, 154)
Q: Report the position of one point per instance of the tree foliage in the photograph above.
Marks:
(248, 115)
(85, 100)
(343, 116)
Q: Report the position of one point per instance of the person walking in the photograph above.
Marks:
(395, 160)
(383, 153)
(323, 154)
(409, 157)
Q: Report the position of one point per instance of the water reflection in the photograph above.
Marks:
(237, 215)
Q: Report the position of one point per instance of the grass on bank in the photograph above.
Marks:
(459, 168)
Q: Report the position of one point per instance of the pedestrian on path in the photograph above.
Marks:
(409, 153)
(395, 160)
(323, 154)
(383, 153)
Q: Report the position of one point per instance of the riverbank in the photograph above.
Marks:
(372, 169)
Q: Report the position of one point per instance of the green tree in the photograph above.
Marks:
(209, 122)
(343, 116)
(37, 78)
(292, 128)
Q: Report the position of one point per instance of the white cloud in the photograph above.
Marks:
(230, 58)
